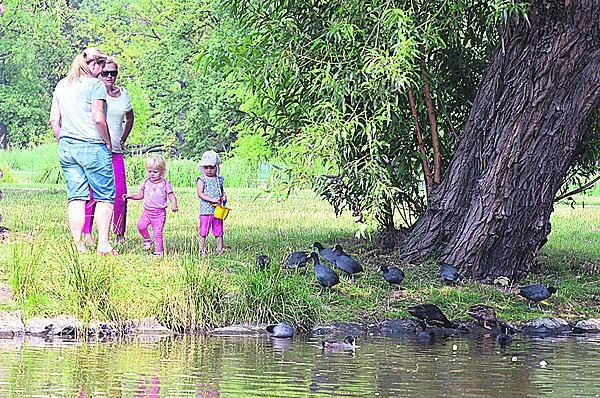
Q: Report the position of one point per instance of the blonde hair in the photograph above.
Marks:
(157, 162)
(111, 60)
(81, 66)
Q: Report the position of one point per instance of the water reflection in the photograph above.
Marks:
(266, 367)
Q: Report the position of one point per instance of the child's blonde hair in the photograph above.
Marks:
(157, 162)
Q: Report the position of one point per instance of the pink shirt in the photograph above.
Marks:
(155, 193)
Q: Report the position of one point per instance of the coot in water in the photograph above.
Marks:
(281, 330)
(349, 343)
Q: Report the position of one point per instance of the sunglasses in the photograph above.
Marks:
(209, 167)
(112, 73)
(99, 61)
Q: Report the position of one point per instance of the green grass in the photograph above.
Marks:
(189, 292)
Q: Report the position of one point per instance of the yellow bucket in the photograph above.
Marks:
(221, 212)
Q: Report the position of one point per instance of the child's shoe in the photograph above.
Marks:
(157, 253)
(147, 244)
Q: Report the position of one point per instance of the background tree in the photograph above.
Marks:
(534, 106)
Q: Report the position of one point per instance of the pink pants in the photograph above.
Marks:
(208, 221)
(120, 209)
(155, 219)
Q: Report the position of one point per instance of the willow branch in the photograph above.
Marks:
(435, 139)
(426, 168)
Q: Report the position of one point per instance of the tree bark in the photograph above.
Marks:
(490, 215)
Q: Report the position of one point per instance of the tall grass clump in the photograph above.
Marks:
(24, 269)
(273, 295)
(89, 283)
(194, 297)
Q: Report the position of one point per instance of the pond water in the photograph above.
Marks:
(265, 367)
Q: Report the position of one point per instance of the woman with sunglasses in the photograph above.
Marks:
(120, 122)
(78, 119)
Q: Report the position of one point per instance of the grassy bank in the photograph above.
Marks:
(186, 291)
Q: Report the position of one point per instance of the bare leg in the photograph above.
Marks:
(76, 219)
(103, 217)
(219, 240)
(202, 241)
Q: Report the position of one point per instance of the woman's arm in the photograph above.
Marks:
(99, 119)
(129, 119)
(55, 118)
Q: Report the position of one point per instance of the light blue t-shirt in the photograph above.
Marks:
(75, 104)
(213, 187)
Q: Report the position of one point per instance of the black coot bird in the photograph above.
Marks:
(504, 339)
(325, 275)
(327, 253)
(262, 261)
(424, 335)
(349, 343)
(393, 275)
(281, 330)
(449, 275)
(483, 314)
(431, 314)
(537, 292)
(345, 262)
(296, 260)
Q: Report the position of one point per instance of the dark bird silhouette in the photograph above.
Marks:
(424, 335)
(281, 330)
(262, 261)
(483, 314)
(504, 339)
(296, 260)
(327, 253)
(349, 343)
(393, 275)
(345, 262)
(431, 314)
(537, 292)
(449, 275)
(325, 275)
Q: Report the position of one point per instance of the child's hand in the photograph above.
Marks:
(125, 197)
(174, 208)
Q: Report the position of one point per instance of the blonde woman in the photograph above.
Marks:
(120, 119)
(78, 120)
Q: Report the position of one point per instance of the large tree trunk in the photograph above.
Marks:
(490, 215)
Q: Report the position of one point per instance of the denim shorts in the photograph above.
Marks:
(87, 165)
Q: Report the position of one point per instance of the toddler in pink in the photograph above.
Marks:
(209, 187)
(156, 192)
